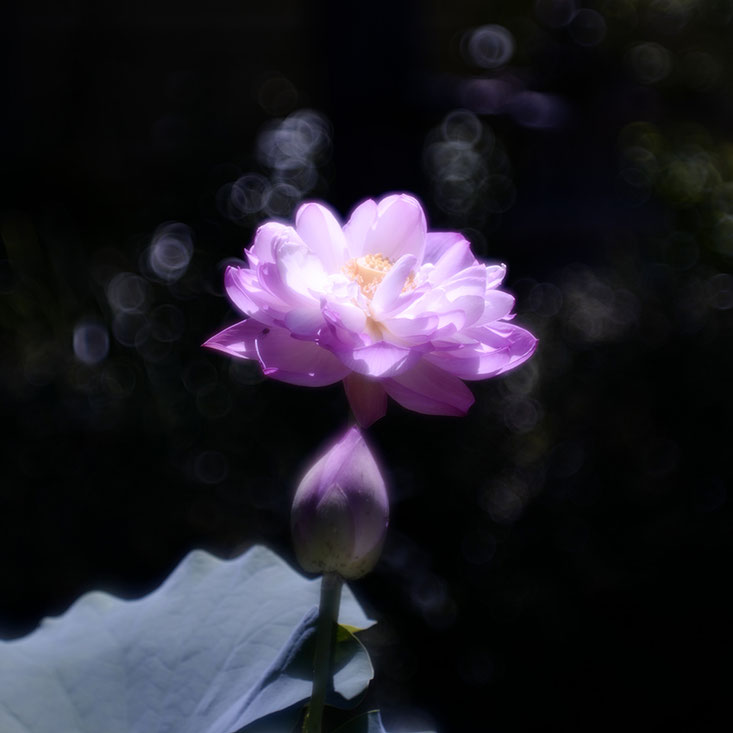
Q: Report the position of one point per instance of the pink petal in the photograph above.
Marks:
(358, 225)
(399, 229)
(378, 360)
(320, 230)
(367, 398)
(438, 243)
(429, 390)
(281, 356)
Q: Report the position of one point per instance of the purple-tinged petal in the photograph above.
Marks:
(341, 510)
(501, 334)
(391, 286)
(281, 356)
(471, 363)
(438, 243)
(430, 390)
(265, 240)
(319, 229)
(238, 340)
(378, 360)
(358, 226)
(346, 315)
(298, 362)
(495, 275)
(269, 279)
(459, 304)
(244, 290)
(238, 288)
(414, 329)
(367, 398)
(342, 337)
(471, 281)
(498, 352)
(498, 304)
(455, 259)
(399, 229)
(304, 321)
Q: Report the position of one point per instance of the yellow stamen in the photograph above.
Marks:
(369, 270)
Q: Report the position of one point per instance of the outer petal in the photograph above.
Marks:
(520, 342)
(269, 279)
(400, 229)
(319, 229)
(358, 226)
(412, 330)
(429, 390)
(505, 346)
(495, 275)
(281, 356)
(304, 322)
(248, 296)
(238, 288)
(367, 398)
(266, 239)
(380, 359)
(498, 304)
(354, 470)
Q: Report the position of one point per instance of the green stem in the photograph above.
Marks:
(325, 633)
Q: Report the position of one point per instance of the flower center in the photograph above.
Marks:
(369, 270)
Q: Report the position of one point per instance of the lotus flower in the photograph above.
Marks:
(340, 511)
(380, 303)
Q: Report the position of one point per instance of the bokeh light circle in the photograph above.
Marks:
(90, 342)
(489, 46)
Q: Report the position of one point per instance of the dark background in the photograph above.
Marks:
(558, 559)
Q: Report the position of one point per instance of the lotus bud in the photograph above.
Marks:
(340, 511)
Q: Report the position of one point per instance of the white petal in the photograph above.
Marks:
(400, 229)
(320, 230)
(358, 225)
